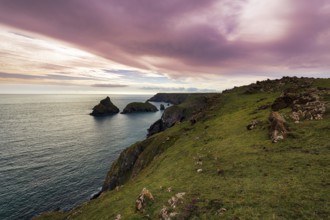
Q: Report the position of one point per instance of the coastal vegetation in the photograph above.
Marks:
(253, 152)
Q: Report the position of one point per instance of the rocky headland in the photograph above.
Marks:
(173, 98)
(139, 107)
(253, 152)
(104, 108)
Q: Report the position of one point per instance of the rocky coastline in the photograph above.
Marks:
(254, 126)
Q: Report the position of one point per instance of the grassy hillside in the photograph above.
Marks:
(241, 173)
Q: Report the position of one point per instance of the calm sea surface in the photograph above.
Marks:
(54, 155)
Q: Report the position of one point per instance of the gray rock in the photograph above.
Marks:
(105, 107)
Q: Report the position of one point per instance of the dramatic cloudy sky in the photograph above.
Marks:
(145, 46)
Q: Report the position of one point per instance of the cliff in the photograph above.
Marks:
(191, 109)
(219, 159)
(139, 107)
(105, 107)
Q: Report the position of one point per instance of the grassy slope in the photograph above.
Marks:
(260, 180)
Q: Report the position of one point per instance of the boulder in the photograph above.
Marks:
(162, 107)
(253, 124)
(284, 101)
(277, 127)
(105, 107)
(139, 107)
(142, 199)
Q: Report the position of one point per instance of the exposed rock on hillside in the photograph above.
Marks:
(277, 128)
(142, 200)
(308, 106)
(279, 84)
(139, 107)
(253, 124)
(305, 104)
(105, 107)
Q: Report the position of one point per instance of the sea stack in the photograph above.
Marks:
(105, 107)
(139, 107)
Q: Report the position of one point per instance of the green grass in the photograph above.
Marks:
(258, 179)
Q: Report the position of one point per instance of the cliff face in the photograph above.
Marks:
(105, 107)
(121, 169)
(190, 109)
(216, 164)
(139, 107)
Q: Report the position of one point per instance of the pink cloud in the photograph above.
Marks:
(187, 36)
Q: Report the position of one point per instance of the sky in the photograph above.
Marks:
(148, 46)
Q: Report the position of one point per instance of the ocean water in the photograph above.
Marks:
(54, 155)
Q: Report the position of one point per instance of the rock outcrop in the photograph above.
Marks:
(139, 107)
(121, 169)
(277, 128)
(308, 106)
(305, 104)
(143, 199)
(278, 84)
(162, 107)
(105, 107)
(170, 116)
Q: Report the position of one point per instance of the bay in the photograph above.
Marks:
(53, 154)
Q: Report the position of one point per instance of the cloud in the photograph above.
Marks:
(17, 76)
(187, 37)
(177, 89)
(109, 85)
(59, 77)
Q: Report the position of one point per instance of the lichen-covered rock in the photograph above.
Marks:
(164, 213)
(142, 199)
(308, 106)
(170, 213)
(139, 107)
(277, 128)
(105, 107)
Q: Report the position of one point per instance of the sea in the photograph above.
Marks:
(53, 154)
